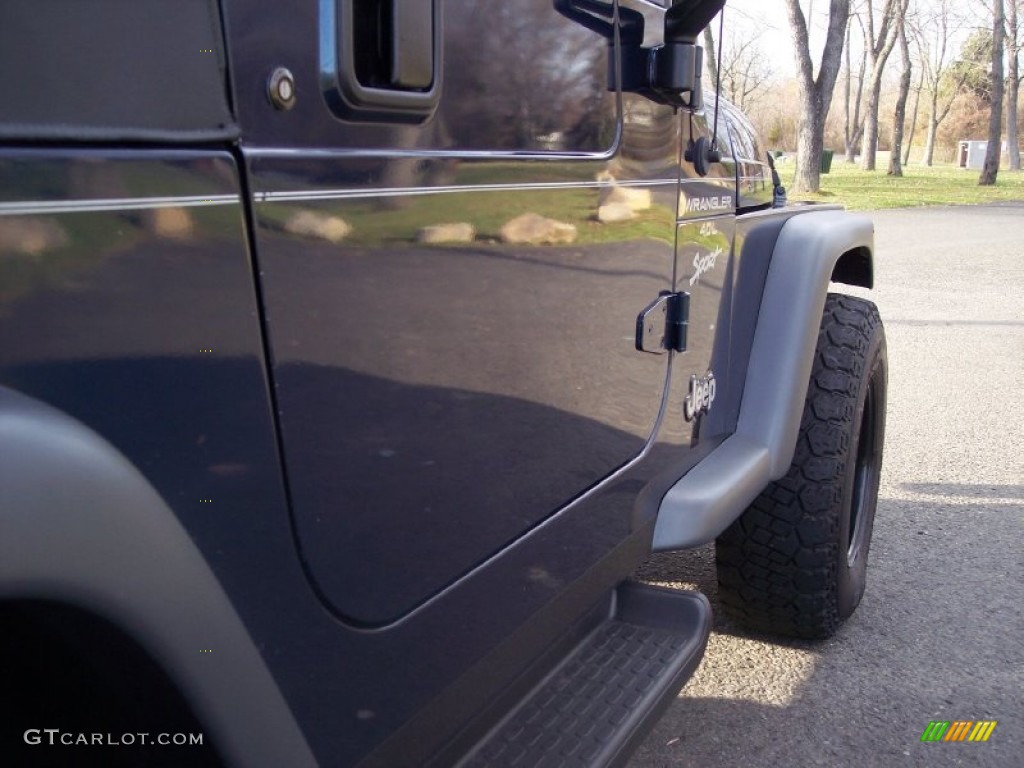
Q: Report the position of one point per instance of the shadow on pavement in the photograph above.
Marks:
(937, 637)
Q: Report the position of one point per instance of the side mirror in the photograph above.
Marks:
(669, 73)
(679, 64)
(677, 73)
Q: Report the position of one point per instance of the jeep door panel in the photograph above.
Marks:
(490, 382)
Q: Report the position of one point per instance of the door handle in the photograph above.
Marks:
(381, 59)
(412, 44)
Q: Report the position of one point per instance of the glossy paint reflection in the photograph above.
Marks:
(413, 336)
(542, 78)
(127, 302)
(459, 367)
(73, 235)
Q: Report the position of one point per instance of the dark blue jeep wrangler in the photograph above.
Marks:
(354, 354)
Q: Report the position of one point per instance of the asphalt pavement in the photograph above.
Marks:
(939, 634)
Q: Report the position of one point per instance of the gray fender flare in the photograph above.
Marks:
(812, 249)
(80, 526)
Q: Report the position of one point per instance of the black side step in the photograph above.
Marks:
(596, 706)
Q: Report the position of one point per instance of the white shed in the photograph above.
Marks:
(971, 154)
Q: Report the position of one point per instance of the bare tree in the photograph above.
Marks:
(710, 57)
(853, 126)
(917, 103)
(900, 113)
(943, 81)
(745, 67)
(990, 170)
(879, 44)
(815, 92)
(744, 64)
(1012, 82)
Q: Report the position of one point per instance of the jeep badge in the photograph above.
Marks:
(700, 397)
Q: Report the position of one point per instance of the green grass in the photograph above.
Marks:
(920, 185)
(374, 223)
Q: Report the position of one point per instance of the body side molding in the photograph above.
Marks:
(705, 501)
(79, 525)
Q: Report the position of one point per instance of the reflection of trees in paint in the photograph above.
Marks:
(520, 76)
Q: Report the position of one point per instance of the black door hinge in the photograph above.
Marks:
(661, 327)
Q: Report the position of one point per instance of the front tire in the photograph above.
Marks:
(795, 562)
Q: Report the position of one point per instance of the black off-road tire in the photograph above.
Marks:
(795, 562)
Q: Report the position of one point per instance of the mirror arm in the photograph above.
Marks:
(686, 19)
(599, 16)
(668, 74)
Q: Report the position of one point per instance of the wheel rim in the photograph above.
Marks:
(865, 477)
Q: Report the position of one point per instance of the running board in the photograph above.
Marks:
(597, 705)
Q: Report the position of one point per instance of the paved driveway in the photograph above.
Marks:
(940, 632)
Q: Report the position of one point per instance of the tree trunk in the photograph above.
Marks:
(894, 12)
(869, 141)
(933, 129)
(993, 150)
(900, 113)
(853, 126)
(1013, 86)
(913, 118)
(853, 143)
(815, 93)
(709, 56)
(810, 142)
(846, 94)
(995, 121)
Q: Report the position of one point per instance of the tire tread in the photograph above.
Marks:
(777, 564)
